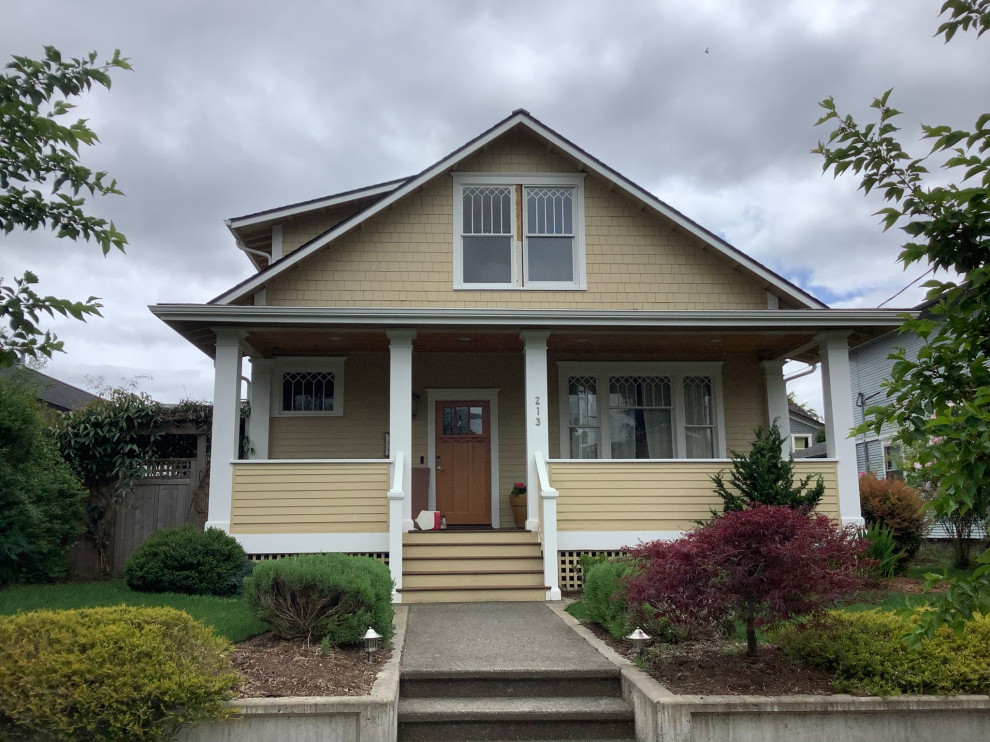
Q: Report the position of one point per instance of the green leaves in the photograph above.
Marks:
(38, 151)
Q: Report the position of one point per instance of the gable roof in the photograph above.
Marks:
(522, 118)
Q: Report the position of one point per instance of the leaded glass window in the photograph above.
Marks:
(640, 417)
(487, 238)
(307, 391)
(550, 234)
(582, 402)
(699, 418)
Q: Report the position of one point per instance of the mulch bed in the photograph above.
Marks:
(272, 667)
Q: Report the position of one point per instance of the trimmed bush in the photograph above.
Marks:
(187, 560)
(894, 504)
(335, 597)
(867, 653)
(605, 595)
(109, 674)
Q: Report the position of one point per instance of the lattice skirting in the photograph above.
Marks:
(571, 575)
(381, 556)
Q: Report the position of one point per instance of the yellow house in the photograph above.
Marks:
(517, 312)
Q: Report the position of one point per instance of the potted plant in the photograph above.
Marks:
(517, 499)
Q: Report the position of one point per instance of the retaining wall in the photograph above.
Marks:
(371, 718)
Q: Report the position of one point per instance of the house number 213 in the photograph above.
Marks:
(538, 421)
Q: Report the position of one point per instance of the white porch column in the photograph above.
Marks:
(226, 425)
(837, 389)
(261, 407)
(400, 411)
(773, 377)
(537, 409)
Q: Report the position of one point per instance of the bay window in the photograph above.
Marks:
(518, 231)
(641, 410)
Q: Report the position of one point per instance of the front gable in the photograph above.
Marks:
(629, 254)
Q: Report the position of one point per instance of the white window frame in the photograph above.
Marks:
(519, 252)
(288, 365)
(676, 371)
(806, 437)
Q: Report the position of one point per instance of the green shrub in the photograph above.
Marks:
(605, 594)
(317, 596)
(40, 498)
(897, 506)
(109, 674)
(187, 560)
(867, 653)
(883, 550)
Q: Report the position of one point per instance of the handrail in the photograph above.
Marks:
(397, 470)
(543, 475)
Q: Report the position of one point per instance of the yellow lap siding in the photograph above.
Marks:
(659, 496)
(329, 497)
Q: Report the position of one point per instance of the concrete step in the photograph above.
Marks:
(579, 717)
(478, 578)
(493, 594)
(488, 535)
(511, 684)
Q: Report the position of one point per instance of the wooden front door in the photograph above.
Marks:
(463, 462)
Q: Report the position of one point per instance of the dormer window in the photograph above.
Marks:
(518, 232)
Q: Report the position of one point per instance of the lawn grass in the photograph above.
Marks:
(229, 617)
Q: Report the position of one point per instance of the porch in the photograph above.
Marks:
(616, 430)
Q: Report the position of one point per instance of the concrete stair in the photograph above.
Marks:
(513, 705)
(462, 566)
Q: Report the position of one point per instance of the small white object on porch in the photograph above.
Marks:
(537, 417)
(837, 389)
(773, 375)
(226, 424)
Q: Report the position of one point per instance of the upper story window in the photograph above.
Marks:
(308, 386)
(519, 232)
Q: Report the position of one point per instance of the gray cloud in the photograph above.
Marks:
(239, 106)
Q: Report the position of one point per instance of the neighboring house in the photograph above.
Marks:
(805, 431)
(56, 394)
(869, 366)
(518, 311)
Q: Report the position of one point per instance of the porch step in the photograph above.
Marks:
(472, 578)
(458, 566)
(514, 706)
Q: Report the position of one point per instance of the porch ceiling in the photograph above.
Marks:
(672, 334)
(667, 345)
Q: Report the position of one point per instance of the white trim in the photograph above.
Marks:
(520, 256)
(400, 386)
(536, 371)
(721, 462)
(609, 540)
(311, 543)
(445, 395)
(276, 242)
(837, 393)
(676, 370)
(226, 424)
(589, 163)
(258, 422)
(316, 461)
(294, 210)
(289, 364)
(739, 319)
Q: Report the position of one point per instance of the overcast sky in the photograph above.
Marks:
(234, 107)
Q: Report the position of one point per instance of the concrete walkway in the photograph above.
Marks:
(478, 637)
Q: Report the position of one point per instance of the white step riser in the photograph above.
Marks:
(479, 581)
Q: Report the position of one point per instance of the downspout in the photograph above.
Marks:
(812, 367)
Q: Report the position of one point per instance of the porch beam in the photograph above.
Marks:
(837, 391)
(226, 425)
(777, 407)
(400, 411)
(260, 400)
(537, 429)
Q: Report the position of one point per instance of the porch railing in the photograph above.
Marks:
(548, 528)
(309, 496)
(396, 503)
